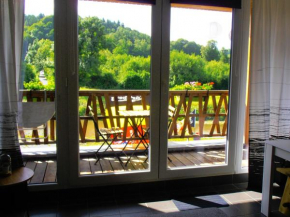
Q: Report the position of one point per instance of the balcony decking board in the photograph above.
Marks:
(116, 165)
(183, 159)
(106, 166)
(45, 171)
(85, 168)
(191, 159)
(31, 165)
(175, 162)
(96, 169)
(39, 172)
(50, 175)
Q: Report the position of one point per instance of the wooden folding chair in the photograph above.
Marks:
(109, 135)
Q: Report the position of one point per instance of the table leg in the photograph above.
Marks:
(15, 200)
(267, 180)
(138, 133)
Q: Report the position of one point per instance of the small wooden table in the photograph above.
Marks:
(130, 116)
(11, 186)
(18, 176)
(280, 148)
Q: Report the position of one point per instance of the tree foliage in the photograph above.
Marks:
(225, 55)
(218, 72)
(210, 51)
(185, 67)
(91, 39)
(188, 47)
(37, 28)
(112, 56)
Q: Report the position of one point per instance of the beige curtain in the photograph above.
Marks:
(269, 80)
(11, 36)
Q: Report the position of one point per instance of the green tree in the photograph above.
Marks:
(30, 19)
(37, 28)
(185, 46)
(128, 41)
(104, 81)
(112, 63)
(218, 72)
(225, 55)
(40, 54)
(111, 26)
(210, 51)
(29, 73)
(91, 41)
(42, 29)
(135, 64)
(125, 68)
(185, 68)
(136, 81)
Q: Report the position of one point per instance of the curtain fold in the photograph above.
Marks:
(269, 80)
(11, 37)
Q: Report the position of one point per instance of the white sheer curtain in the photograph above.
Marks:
(11, 37)
(269, 80)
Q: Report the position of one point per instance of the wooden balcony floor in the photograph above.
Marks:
(45, 170)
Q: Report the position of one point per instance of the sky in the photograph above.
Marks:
(193, 25)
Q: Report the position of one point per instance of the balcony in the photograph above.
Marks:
(196, 137)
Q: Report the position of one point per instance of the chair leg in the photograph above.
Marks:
(141, 141)
(97, 159)
(109, 144)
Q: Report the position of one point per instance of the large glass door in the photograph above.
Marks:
(197, 105)
(152, 92)
(115, 97)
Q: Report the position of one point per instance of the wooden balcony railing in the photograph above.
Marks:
(210, 109)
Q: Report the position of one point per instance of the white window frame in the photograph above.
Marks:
(236, 99)
(67, 101)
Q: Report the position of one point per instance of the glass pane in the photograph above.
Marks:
(114, 79)
(200, 43)
(36, 116)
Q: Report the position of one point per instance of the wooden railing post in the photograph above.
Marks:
(177, 112)
(226, 117)
(51, 123)
(187, 110)
(109, 109)
(95, 110)
(201, 117)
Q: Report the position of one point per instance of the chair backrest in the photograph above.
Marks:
(94, 120)
(34, 114)
(171, 114)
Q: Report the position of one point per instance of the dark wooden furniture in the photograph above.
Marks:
(14, 192)
(18, 176)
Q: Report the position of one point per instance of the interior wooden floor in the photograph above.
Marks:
(45, 170)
